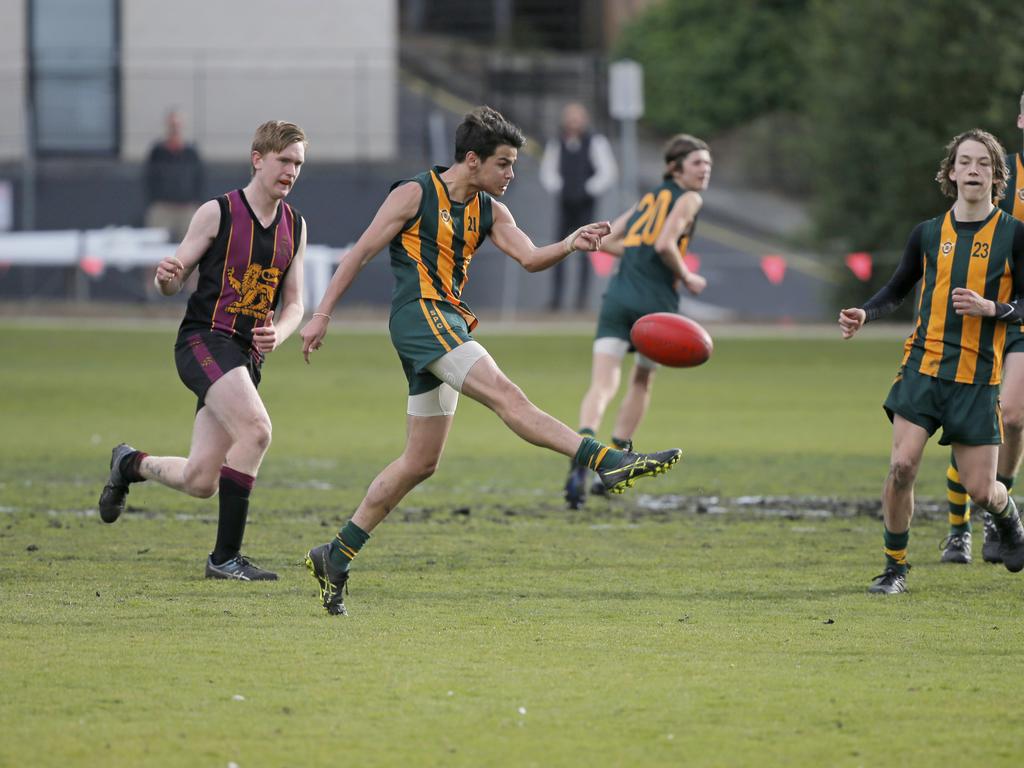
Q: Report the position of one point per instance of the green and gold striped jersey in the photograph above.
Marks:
(642, 275)
(1013, 200)
(944, 344)
(430, 257)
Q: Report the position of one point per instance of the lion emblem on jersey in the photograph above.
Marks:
(1020, 194)
(946, 248)
(256, 290)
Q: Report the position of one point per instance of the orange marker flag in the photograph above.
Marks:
(860, 264)
(774, 268)
(602, 262)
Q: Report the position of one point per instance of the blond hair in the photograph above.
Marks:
(276, 136)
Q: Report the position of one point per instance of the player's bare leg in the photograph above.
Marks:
(425, 440)
(635, 402)
(199, 474)
(329, 563)
(233, 428)
(1011, 401)
(908, 441)
(605, 376)
(231, 434)
(977, 465)
(616, 468)
(486, 384)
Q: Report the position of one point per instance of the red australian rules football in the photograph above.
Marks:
(671, 340)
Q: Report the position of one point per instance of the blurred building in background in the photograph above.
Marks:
(379, 88)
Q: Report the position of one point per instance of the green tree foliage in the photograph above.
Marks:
(712, 65)
(875, 88)
(888, 85)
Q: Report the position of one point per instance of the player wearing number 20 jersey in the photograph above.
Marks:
(652, 238)
(644, 282)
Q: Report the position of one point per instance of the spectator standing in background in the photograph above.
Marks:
(174, 180)
(578, 167)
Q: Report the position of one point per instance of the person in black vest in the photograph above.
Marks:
(174, 180)
(579, 167)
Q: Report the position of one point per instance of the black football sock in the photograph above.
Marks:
(129, 466)
(235, 488)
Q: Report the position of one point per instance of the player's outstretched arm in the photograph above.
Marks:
(613, 243)
(270, 335)
(173, 271)
(891, 295)
(398, 207)
(510, 239)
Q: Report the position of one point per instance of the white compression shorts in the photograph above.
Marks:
(610, 345)
(452, 368)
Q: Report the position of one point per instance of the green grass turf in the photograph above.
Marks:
(514, 634)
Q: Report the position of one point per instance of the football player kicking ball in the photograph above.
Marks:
(248, 246)
(651, 238)
(972, 261)
(957, 546)
(432, 224)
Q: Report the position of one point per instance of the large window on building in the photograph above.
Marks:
(74, 59)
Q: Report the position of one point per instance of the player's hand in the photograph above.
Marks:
(167, 271)
(851, 320)
(694, 283)
(967, 302)
(264, 337)
(312, 334)
(588, 237)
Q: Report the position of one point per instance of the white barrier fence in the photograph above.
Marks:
(89, 252)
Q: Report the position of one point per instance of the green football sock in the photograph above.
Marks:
(346, 545)
(623, 444)
(959, 504)
(1005, 511)
(896, 550)
(595, 455)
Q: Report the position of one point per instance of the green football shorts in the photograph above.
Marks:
(968, 413)
(421, 332)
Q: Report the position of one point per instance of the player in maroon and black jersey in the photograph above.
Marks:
(248, 246)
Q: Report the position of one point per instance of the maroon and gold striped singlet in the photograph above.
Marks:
(240, 274)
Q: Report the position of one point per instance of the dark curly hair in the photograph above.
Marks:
(484, 130)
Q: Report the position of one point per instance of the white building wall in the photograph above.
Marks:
(12, 80)
(328, 65)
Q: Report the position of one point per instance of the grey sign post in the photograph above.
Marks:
(626, 104)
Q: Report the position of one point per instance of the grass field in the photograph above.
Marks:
(489, 626)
